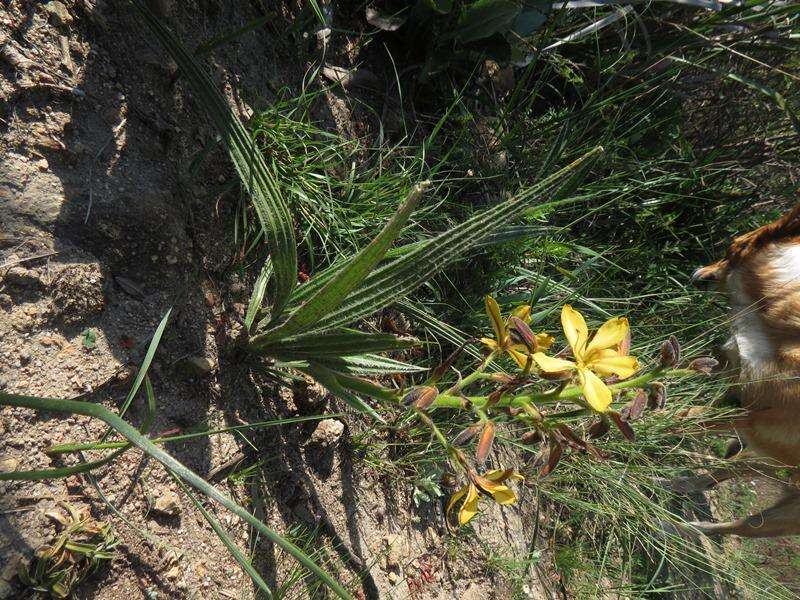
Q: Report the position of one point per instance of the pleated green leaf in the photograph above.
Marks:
(328, 379)
(256, 177)
(339, 342)
(336, 289)
(400, 277)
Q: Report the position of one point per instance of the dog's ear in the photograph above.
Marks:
(786, 226)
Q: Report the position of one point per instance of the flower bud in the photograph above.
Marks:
(657, 398)
(421, 397)
(485, 443)
(521, 333)
(670, 352)
(703, 364)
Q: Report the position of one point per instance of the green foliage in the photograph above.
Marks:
(444, 34)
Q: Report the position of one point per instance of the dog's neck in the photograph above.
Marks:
(765, 315)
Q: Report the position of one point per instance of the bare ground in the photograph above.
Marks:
(100, 231)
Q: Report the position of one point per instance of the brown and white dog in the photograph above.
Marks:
(760, 274)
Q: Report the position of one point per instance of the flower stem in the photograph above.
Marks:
(573, 391)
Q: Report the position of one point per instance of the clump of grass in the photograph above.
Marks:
(81, 547)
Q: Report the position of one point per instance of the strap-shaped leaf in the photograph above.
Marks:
(256, 177)
(259, 289)
(336, 289)
(393, 281)
(342, 342)
(328, 379)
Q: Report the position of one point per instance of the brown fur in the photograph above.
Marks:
(766, 327)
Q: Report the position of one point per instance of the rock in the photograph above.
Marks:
(58, 13)
(78, 293)
(196, 366)
(8, 465)
(396, 551)
(167, 503)
(327, 433)
(174, 573)
(21, 277)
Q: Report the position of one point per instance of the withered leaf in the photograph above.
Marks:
(384, 22)
(571, 437)
(623, 426)
(598, 428)
(485, 443)
(442, 368)
(531, 437)
(670, 352)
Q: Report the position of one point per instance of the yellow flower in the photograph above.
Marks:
(490, 484)
(504, 341)
(605, 355)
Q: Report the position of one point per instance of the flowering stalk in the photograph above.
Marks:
(594, 371)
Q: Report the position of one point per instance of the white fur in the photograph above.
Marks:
(786, 260)
(754, 346)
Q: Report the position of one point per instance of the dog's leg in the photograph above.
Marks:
(746, 463)
(782, 519)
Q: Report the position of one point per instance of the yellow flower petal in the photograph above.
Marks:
(492, 344)
(595, 391)
(575, 329)
(522, 312)
(610, 334)
(549, 364)
(470, 507)
(501, 475)
(544, 341)
(493, 311)
(500, 492)
(621, 366)
(455, 498)
(520, 354)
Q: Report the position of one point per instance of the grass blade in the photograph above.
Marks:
(137, 439)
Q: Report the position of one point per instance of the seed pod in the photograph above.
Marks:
(637, 405)
(522, 333)
(485, 443)
(623, 426)
(467, 434)
(421, 397)
(670, 352)
(657, 398)
(703, 364)
(556, 450)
